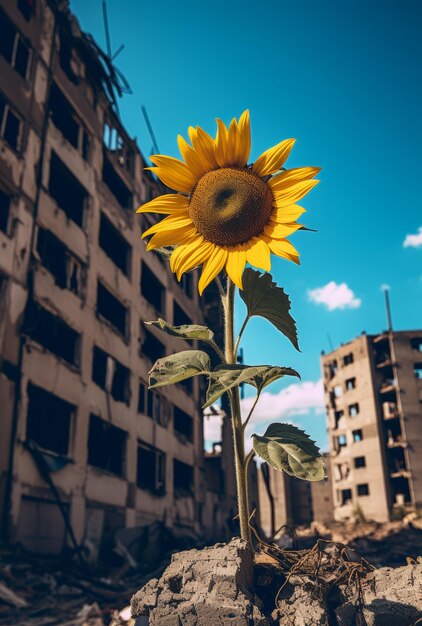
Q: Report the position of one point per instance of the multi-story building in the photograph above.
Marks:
(373, 390)
(85, 447)
(288, 501)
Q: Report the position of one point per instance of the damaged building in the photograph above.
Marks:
(85, 447)
(373, 391)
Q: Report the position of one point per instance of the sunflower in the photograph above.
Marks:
(227, 213)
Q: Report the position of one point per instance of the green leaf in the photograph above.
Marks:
(262, 297)
(286, 447)
(271, 374)
(180, 366)
(187, 331)
(225, 377)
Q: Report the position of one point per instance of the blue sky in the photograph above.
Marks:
(344, 79)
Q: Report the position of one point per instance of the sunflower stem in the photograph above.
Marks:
(238, 438)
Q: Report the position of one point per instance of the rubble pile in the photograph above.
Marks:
(329, 584)
(42, 591)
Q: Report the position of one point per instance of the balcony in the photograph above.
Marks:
(396, 442)
(388, 385)
(402, 473)
(390, 410)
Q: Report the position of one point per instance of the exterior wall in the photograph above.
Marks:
(345, 475)
(322, 496)
(97, 500)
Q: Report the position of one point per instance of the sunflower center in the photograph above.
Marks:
(230, 206)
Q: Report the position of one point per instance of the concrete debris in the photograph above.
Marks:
(209, 586)
(222, 585)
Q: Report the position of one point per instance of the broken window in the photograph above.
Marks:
(353, 409)
(68, 60)
(151, 469)
(111, 375)
(417, 368)
(68, 123)
(49, 420)
(348, 359)
(332, 369)
(68, 271)
(179, 316)
(13, 47)
(186, 284)
(359, 462)
(338, 391)
(153, 404)
(182, 478)
(342, 441)
(52, 333)
(11, 125)
(67, 192)
(416, 343)
(142, 397)
(114, 245)
(5, 202)
(111, 309)
(151, 347)
(337, 417)
(345, 496)
(106, 446)
(350, 384)
(341, 471)
(183, 424)
(363, 490)
(116, 145)
(152, 289)
(357, 435)
(116, 185)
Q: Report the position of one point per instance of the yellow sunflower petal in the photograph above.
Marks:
(169, 223)
(189, 256)
(291, 177)
(221, 140)
(294, 192)
(236, 261)
(280, 231)
(169, 203)
(273, 159)
(173, 173)
(286, 214)
(244, 127)
(212, 267)
(283, 248)
(204, 146)
(174, 237)
(233, 141)
(258, 254)
(191, 158)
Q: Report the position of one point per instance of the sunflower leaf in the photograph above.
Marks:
(287, 448)
(225, 377)
(187, 331)
(262, 297)
(180, 366)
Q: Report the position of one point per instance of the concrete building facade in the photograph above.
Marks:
(76, 286)
(288, 501)
(373, 390)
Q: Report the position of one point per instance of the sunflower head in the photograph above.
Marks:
(225, 213)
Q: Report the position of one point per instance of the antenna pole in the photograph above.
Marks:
(106, 30)
(388, 309)
(151, 132)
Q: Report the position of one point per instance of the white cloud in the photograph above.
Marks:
(413, 241)
(298, 399)
(334, 296)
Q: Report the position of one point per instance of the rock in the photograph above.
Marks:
(299, 607)
(209, 587)
(390, 597)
